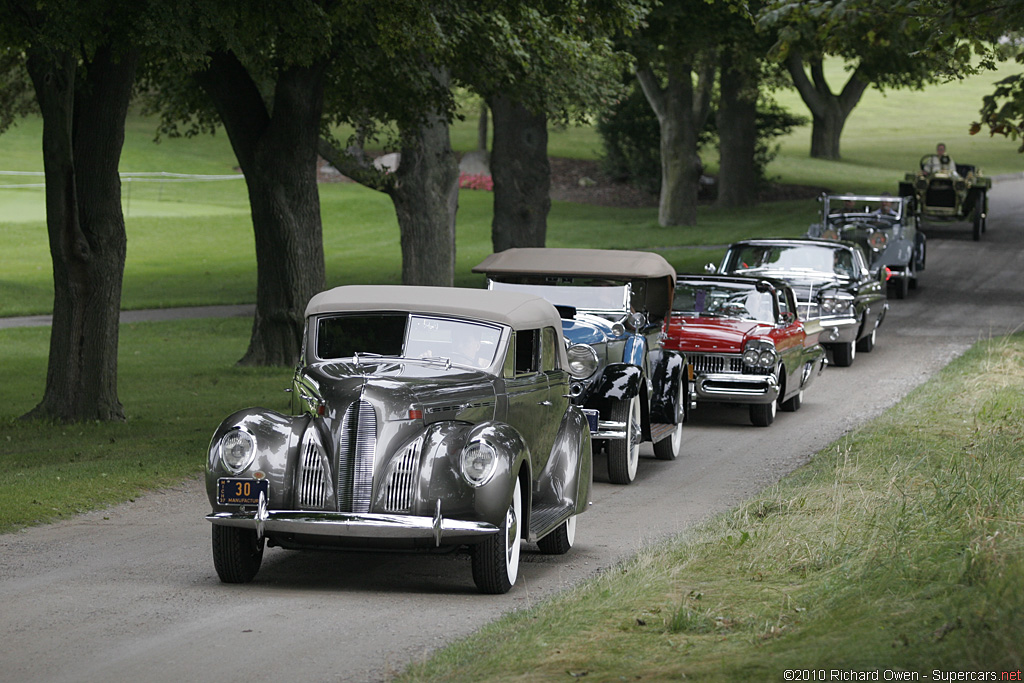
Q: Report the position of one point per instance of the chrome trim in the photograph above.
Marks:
(352, 525)
(357, 445)
(738, 388)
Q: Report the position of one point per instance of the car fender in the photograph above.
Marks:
(441, 471)
(618, 382)
(277, 438)
(667, 369)
(567, 478)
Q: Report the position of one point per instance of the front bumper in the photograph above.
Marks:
(838, 330)
(737, 388)
(359, 526)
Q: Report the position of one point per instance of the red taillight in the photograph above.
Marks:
(888, 273)
(415, 414)
(320, 409)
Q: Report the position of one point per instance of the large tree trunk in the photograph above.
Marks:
(83, 133)
(426, 196)
(737, 132)
(828, 111)
(522, 176)
(682, 111)
(277, 152)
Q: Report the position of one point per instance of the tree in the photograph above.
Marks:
(883, 44)
(81, 60)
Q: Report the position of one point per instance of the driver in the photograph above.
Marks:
(940, 161)
(469, 347)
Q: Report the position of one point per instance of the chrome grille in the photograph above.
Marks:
(709, 364)
(357, 445)
(401, 481)
(312, 477)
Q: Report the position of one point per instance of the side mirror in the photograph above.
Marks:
(710, 269)
(788, 318)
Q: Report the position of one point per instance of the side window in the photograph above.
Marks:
(783, 304)
(527, 346)
(508, 368)
(549, 352)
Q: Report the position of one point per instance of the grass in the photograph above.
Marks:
(895, 549)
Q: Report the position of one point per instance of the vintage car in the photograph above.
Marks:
(613, 305)
(943, 194)
(430, 418)
(745, 343)
(833, 285)
(885, 227)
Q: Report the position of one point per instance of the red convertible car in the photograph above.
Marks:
(745, 342)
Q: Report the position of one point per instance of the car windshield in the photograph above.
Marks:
(613, 296)
(792, 258)
(401, 335)
(850, 205)
(723, 300)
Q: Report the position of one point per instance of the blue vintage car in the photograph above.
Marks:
(613, 305)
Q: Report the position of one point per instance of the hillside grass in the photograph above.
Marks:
(897, 550)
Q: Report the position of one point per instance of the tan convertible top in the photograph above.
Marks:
(609, 263)
(515, 309)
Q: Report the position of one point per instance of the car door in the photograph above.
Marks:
(531, 407)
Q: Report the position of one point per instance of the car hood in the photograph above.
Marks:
(586, 329)
(712, 335)
(397, 386)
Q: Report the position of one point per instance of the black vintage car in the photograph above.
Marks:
(886, 229)
(613, 305)
(833, 284)
(947, 192)
(422, 418)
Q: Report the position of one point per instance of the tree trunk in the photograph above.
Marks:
(681, 110)
(83, 133)
(481, 129)
(277, 151)
(737, 133)
(426, 198)
(828, 111)
(522, 176)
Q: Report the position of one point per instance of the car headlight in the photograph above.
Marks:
(835, 305)
(760, 353)
(921, 184)
(618, 330)
(877, 240)
(479, 460)
(582, 360)
(237, 450)
(637, 320)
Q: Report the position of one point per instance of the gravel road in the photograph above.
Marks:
(130, 593)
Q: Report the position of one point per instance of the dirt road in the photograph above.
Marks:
(130, 593)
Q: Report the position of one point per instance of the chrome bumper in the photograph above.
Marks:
(358, 525)
(733, 388)
(838, 330)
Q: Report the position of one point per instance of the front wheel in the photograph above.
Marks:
(559, 541)
(763, 414)
(624, 454)
(793, 404)
(843, 355)
(237, 553)
(867, 343)
(671, 446)
(979, 221)
(496, 560)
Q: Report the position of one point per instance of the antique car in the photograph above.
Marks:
(422, 418)
(944, 194)
(885, 227)
(745, 343)
(833, 285)
(613, 304)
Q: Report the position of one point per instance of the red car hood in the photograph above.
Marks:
(712, 335)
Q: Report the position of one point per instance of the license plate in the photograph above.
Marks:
(592, 417)
(232, 491)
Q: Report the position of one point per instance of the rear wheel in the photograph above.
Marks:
(559, 541)
(237, 553)
(496, 560)
(902, 286)
(843, 354)
(978, 219)
(671, 446)
(624, 454)
(763, 414)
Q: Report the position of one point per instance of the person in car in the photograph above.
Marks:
(940, 161)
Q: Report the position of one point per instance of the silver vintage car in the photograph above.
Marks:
(427, 418)
(614, 305)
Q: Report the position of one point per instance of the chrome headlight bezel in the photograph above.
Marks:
(877, 240)
(237, 450)
(478, 462)
(583, 360)
(760, 353)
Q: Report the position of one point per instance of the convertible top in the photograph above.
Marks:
(609, 263)
(515, 309)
